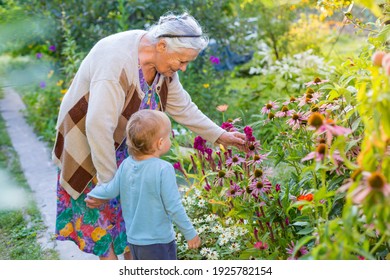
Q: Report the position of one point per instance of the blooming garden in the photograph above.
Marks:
(313, 181)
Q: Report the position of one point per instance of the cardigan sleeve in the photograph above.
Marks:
(106, 101)
(185, 112)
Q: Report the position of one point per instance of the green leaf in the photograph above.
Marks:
(305, 231)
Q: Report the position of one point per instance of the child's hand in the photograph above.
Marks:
(93, 202)
(194, 242)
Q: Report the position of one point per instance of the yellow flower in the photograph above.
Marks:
(60, 82)
(98, 233)
(206, 85)
(50, 74)
(67, 230)
(63, 91)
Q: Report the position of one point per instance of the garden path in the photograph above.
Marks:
(39, 171)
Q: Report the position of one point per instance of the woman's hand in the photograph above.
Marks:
(234, 138)
(93, 202)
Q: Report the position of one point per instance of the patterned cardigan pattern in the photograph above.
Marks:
(103, 95)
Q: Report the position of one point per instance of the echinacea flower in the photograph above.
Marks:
(316, 81)
(257, 159)
(253, 148)
(268, 107)
(292, 100)
(319, 154)
(296, 120)
(260, 186)
(234, 160)
(284, 112)
(234, 190)
(290, 250)
(371, 184)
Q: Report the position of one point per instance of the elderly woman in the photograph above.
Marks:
(123, 73)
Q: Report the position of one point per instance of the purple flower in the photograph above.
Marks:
(214, 60)
(261, 245)
(259, 187)
(249, 133)
(290, 250)
(200, 144)
(38, 55)
(235, 160)
(228, 126)
(277, 187)
(268, 107)
(234, 190)
(42, 84)
(52, 48)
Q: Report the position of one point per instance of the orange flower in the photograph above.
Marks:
(306, 197)
(222, 108)
(81, 243)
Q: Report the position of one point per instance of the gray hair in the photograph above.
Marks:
(171, 25)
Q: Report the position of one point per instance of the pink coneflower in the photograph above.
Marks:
(371, 184)
(290, 250)
(257, 159)
(234, 160)
(296, 120)
(222, 175)
(253, 148)
(284, 112)
(309, 98)
(292, 100)
(319, 154)
(261, 245)
(260, 186)
(268, 107)
(234, 190)
(316, 81)
(330, 127)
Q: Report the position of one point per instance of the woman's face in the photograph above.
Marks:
(169, 62)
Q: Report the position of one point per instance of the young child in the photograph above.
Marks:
(148, 191)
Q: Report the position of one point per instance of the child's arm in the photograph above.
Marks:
(172, 202)
(101, 193)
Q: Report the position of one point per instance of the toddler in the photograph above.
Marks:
(148, 191)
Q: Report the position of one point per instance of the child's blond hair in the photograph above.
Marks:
(143, 129)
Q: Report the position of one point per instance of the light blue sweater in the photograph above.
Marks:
(150, 201)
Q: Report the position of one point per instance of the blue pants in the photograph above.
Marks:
(154, 251)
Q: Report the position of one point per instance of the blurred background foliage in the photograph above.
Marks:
(258, 43)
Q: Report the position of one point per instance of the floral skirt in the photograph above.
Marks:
(93, 230)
